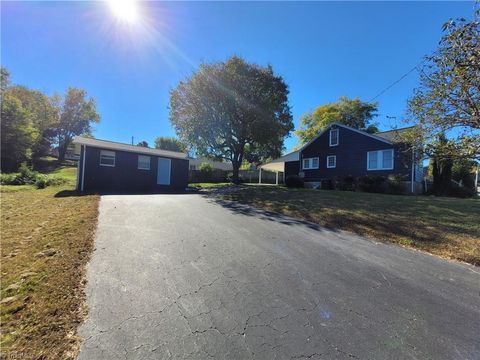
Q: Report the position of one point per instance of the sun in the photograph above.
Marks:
(124, 10)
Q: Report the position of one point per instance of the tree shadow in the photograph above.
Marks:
(247, 210)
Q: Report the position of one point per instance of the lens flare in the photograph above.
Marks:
(124, 10)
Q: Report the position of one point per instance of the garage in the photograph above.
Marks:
(115, 167)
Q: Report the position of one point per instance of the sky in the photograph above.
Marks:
(323, 50)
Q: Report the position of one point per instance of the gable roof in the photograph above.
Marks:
(394, 134)
(111, 145)
(374, 136)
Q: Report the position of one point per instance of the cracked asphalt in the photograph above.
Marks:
(193, 277)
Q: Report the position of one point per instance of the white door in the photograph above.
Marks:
(163, 171)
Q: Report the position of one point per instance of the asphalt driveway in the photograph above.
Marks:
(188, 276)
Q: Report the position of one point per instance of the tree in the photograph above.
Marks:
(169, 143)
(18, 133)
(448, 98)
(226, 106)
(42, 113)
(4, 78)
(143, 144)
(442, 165)
(351, 112)
(76, 114)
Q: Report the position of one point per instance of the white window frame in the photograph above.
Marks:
(145, 157)
(330, 137)
(380, 160)
(334, 161)
(310, 161)
(107, 154)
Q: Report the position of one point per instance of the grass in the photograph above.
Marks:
(47, 238)
(447, 227)
(208, 185)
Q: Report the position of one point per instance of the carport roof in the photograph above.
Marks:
(111, 145)
(279, 163)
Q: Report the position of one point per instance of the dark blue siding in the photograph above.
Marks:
(125, 175)
(351, 153)
(292, 168)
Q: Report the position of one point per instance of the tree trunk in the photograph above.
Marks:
(236, 168)
(62, 150)
(442, 176)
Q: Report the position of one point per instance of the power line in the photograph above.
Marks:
(397, 81)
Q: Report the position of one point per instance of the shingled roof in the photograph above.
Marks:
(393, 135)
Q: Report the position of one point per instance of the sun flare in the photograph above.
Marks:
(125, 10)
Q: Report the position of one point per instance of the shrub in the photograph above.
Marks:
(206, 167)
(327, 185)
(42, 181)
(395, 185)
(206, 171)
(294, 181)
(460, 191)
(52, 181)
(26, 175)
(346, 183)
(373, 184)
(9, 179)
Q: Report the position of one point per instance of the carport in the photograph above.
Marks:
(278, 165)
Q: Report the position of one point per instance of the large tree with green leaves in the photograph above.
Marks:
(169, 143)
(448, 98)
(76, 114)
(18, 133)
(42, 113)
(228, 106)
(352, 112)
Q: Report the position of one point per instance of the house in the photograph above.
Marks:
(111, 166)
(340, 151)
(219, 165)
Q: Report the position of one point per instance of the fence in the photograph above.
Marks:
(246, 176)
(268, 177)
(216, 175)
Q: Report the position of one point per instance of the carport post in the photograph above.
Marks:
(276, 178)
(259, 175)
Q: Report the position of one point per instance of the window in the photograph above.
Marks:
(331, 161)
(333, 137)
(310, 163)
(380, 160)
(143, 162)
(107, 158)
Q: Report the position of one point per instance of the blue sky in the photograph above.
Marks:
(322, 49)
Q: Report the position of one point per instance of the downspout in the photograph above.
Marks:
(413, 171)
(77, 186)
(83, 166)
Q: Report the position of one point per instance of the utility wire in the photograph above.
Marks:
(397, 81)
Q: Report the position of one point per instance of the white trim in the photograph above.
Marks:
(83, 165)
(77, 185)
(349, 128)
(108, 154)
(330, 137)
(149, 162)
(310, 161)
(380, 160)
(334, 161)
(115, 146)
(413, 172)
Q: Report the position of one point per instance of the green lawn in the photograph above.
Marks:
(447, 227)
(208, 185)
(47, 238)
